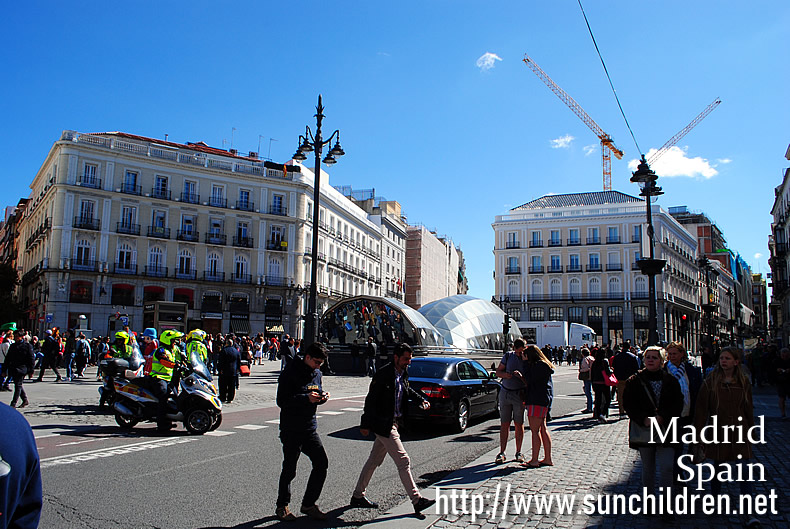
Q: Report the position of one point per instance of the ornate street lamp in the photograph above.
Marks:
(651, 267)
(315, 143)
(710, 307)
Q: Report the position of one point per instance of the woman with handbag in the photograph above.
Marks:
(653, 394)
(585, 365)
(600, 376)
(537, 402)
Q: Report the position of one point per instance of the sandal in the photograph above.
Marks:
(531, 464)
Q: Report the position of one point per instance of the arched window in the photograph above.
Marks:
(155, 258)
(614, 287)
(275, 268)
(594, 286)
(512, 290)
(82, 252)
(537, 288)
(213, 264)
(125, 258)
(555, 288)
(184, 263)
(240, 268)
(640, 285)
(574, 287)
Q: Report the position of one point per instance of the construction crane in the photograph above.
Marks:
(677, 137)
(607, 144)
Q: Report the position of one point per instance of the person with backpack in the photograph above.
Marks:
(51, 350)
(82, 350)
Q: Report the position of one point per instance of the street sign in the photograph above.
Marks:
(41, 319)
(124, 320)
(49, 318)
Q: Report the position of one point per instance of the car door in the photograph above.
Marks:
(473, 386)
(488, 387)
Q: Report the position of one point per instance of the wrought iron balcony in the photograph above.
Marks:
(244, 279)
(513, 270)
(155, 271)
(190, 198)
(594, 267)
(555, 242)
(126, 228)
(243, 242)
(536, 269)
(159, 232)
(574, 242)
(593, 240)
(555, 269)
(277, 245)
(574, 268)
(187, 235)
(182, 273)
(535, 243)
(282, 211)
(131, 189)
(614, 267)
(245, 205)
(218, 202)
(125, 268)
(89, 181)
(87, 223)
(276, 281)
(86, 265)
(216, 238)
(216, 277)
(613, 240)
(158, 192)
(512, 245)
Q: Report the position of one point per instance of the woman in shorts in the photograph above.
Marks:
(539, 394)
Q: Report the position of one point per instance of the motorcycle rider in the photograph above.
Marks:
(164, 360)
(196, 342)
(120, 347)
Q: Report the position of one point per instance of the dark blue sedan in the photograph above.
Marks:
(458, 389)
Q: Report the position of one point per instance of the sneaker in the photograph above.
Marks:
(284, 514)
(313, 512)
(422, 504)
(500, 458)
(363, 503)
(520, 457)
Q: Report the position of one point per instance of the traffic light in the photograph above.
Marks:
(684, 324)
(506, 325)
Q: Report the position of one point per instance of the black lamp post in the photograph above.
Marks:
(651, 266)
(710, 307)
(315, 143)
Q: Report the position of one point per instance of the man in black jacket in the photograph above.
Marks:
(624, 365)
(19, 362)
(299, 393)
(228, 364)
(385, 408)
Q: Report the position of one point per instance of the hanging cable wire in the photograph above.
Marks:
(609, 78)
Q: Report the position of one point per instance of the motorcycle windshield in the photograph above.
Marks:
(136, 358)
(199, 367)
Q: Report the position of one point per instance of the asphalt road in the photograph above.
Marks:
(96, 476)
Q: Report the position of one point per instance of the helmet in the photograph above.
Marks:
(150, 333)
(121, 335)
(169, 336)
(196, 334)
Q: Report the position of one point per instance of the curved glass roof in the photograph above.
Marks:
(469, 323)
(387, 320)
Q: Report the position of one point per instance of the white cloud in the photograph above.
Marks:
(589, 149)
(563, 142)
(487, 61)
(724, 160)
(758, 256)
(675, 162)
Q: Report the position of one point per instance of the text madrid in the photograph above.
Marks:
(712, 434)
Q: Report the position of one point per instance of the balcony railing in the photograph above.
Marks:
(245, 205)
(614, 267)
(187, 235)
(634, 266)
(159, 232)
(216, 277)
(216, 238)
(190, 198)
(130, 189)
(89, 181)
(155, 271)
(158, 192)
(594, 267)
(276, 281)
(535, 269)
(243, 242)
(513, 270)
(87, 223)
(244, 279)
(555, 242)
(277, 245)
(557, 269)
(278, 210)
(613, 240)
(574, 268)
(218, 202)
(512, 245)
(574, 242)
(781, 248)
(87, 265)
(181, 273)
(593, 240)
(125, 268)
(534, 243)
(126, 228)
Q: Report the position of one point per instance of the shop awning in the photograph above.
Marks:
(275, 329)
(240, 327)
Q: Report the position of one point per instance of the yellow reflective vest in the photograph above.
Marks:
(200, 347)
(162, 364)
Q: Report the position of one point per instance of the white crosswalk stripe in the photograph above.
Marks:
(219, 433)
(331, 412)
(274, 421)
(352, 409)
(251, 426)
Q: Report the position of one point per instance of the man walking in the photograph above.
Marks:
(371, 354)
(299, 393)
(19, 362)
(511, 407)
(228, 366)
(385, 408)
(51, 351)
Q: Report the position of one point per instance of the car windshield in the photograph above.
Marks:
(428, 369)
(198, 366)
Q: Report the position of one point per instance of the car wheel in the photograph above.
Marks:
(126, 422)
(462, 417)
(198, 421)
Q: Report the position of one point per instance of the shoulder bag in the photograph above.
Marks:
(638, 435)
(608, 378)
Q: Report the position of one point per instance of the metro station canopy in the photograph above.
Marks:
(452, 324)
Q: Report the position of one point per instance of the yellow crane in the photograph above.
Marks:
(677, 137)
(607, 144)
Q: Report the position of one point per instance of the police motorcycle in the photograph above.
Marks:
(113, 367)
(192, 399)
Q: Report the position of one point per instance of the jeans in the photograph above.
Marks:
(68, 359)
(588, 394)
(603, 396)
(295, 444)
(19, 391)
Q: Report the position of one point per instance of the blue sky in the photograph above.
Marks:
(422, 121)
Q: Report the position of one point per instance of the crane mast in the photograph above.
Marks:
(677, 137)
(607, 143)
